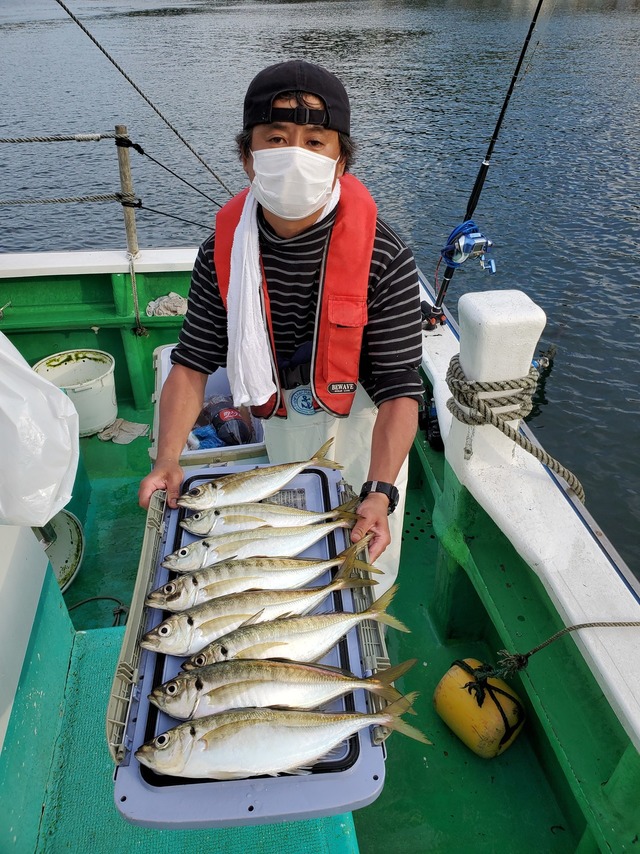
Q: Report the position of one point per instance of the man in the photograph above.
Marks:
(312, 303)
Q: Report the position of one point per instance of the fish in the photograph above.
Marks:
(254, 742)
(187, 632)
(304, 638)
(263, 542)
(247, 517)
(257, 573)
(256, 683)
(253, 484)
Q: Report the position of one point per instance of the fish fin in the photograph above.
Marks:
(349, 506)
(257, 649)
(352, 583)
(220, 732)
(218, 588)
(218, 625)
(254, 618)
(240, 518)
(400, 707)
(390, 674)
(377, 610)
(363, 566)
(320, 458)
(304, 771)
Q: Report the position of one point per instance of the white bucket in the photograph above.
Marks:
(86, 376)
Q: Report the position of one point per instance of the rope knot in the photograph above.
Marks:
(517, 396)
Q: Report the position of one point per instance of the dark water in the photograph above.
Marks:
(427, 80)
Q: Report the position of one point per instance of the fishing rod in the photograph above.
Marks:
(466, 240)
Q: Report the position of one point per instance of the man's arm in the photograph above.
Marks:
(393, 433)
(180, 404)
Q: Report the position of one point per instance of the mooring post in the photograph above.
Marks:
(126, 188)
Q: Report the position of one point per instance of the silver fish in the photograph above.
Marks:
(253, 484)
(258, 573)
(294, 638)
(187, 632)
(265, 542)
(240, 684)
(253, 742)
(248, 517)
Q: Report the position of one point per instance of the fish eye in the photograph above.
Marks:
(172, 688)
(200, 660)
(194, 491)
(161, 740)
(183, 552)
(169, 588)
(164, 630)
(196, 517)
(199, 684)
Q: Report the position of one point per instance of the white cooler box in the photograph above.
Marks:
(217, 383)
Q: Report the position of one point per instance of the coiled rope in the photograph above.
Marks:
(467, 394)
(145, 97)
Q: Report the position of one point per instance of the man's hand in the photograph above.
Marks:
(166, 474)
(373, 517)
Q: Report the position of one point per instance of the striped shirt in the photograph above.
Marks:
(392, 341)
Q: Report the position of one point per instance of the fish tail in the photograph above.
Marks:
(390, 674)
(350, 505)
(363, 566)
(320, 458)
(377, 610)
(381, 682)
(345, 515)
(399, 725)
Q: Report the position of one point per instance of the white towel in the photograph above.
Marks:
(249, 357)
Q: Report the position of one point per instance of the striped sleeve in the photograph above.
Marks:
(202, 344)
(392, 348)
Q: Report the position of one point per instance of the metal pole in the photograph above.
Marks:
(126, 188)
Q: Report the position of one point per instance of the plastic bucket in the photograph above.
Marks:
(86, 376)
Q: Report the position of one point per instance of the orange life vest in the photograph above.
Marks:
(342, 299)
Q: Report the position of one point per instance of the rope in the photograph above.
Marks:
(77, 137)
(139, 330)
(110, 197)
(142, 94)
(117, 612)
(137, 203)
(467, 394)
(511, 663)
(125, 142)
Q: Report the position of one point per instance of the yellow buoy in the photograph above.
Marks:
(486, 715)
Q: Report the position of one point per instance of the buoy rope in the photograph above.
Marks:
(511, 663)
(145, 97)
(480, 688)
(467, 394)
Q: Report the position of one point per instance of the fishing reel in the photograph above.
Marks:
(465, 242)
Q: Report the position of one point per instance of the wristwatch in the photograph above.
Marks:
(387, 489)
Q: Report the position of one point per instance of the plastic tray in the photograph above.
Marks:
(351, 778)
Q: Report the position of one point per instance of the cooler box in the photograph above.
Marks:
(217, 383)
(350, 778)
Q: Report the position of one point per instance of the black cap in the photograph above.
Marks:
(296, 75)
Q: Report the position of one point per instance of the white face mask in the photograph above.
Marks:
(291, 182)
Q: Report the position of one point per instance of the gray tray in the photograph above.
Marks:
(351, 778)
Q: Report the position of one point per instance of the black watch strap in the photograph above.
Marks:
(387, 489)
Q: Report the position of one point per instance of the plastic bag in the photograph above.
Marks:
(39, 443)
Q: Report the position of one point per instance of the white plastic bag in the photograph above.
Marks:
(39, 443)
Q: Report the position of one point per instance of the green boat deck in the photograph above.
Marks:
(568, 784)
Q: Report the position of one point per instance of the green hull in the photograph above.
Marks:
(569, 783)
